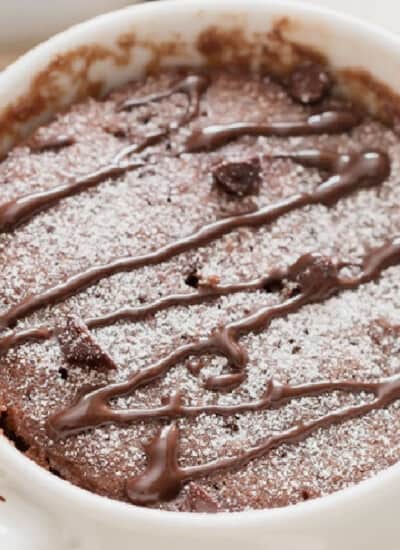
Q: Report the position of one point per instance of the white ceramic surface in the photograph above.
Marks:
(42, 512)
(27, 21)
(384, 12)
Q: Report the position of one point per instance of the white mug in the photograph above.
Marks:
(24, 22)
(43, 512)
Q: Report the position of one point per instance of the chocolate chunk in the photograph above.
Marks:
(198, 500)
(80, 347)
(309, 83)
(314, 273)
(192, 279)
(239, 178)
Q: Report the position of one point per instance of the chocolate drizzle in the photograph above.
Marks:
(192, 86)
(365, 169)
(15, 338)
(23, 208)
(51, 144)
(163, 477)
(138, 313)
(314, 277)
(317, 278)
(328, 122)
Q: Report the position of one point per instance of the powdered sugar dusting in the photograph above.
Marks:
(343, 338)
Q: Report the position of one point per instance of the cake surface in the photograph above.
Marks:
(199, 301)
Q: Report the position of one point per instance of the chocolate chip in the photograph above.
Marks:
(198, 500)
(80, 347)
(309, 83)
(239, 178)
(273, 286)
(63, 373)
(192, 280)
(231, 425)
(194, 367)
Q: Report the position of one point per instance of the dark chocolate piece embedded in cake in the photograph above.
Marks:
(199, 297)
(80, 347)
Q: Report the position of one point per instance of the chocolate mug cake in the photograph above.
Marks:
(199, 297)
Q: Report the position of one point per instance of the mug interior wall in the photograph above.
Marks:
(127, 44)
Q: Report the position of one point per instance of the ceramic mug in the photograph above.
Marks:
(43, 512)
(26, 22)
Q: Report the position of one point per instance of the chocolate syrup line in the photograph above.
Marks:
(52, 144)
(134, 148)
(275, 396)
(366, 169)
(163, 477)
(192, 86)
(225, 382)
(92, 409)
(13, 339)
(317, 278)
(202, 295)
(135, 314)
(328, 122)
(24, 207)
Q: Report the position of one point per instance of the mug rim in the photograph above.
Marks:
(117, 512)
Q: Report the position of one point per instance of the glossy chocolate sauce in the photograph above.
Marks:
(193, 86)
(366, 169)
(328, 122)
(54, 143)
(163, 478)
(23, 208)
(135, 314)
(317, 278)
(312, 278)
